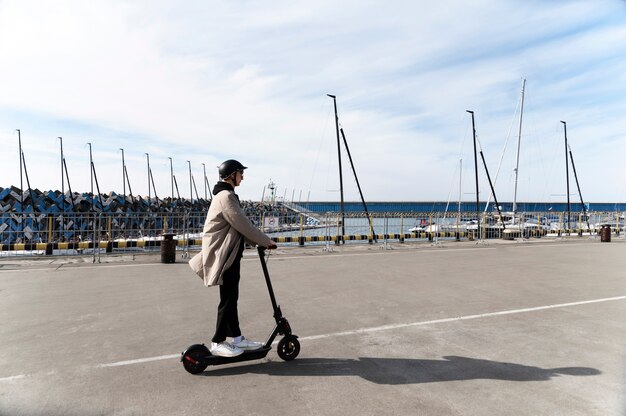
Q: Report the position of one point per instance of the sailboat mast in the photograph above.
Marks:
(343, 230)
(567, 177)
(476, 174)
(519, 141)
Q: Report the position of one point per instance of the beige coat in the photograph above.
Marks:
(226, 224)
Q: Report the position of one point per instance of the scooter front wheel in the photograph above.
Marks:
(193, 359)
(288, 348)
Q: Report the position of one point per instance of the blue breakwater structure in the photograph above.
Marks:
(42, 216)
(466, 207)
(50, 202)
(51, 216)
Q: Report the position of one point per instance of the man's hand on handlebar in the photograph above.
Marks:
(272, 245)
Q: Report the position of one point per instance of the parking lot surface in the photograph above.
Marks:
(505, 328)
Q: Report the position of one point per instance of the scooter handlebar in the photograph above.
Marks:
(262, 249)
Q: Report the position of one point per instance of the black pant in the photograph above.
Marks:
(227, 315)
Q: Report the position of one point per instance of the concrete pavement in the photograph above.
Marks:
(505, 328)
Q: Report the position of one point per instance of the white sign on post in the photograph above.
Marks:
(271, 222)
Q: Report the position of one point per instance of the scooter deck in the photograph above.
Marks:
(246, 356)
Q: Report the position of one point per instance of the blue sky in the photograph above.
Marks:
(206, 81)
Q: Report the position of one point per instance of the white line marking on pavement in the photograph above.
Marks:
(460, 318)
(12, 378)
(392, 326)
(139, 361)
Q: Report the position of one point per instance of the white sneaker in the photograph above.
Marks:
(248, 345)
(225, 349)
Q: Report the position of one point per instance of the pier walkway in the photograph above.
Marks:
(503, 328)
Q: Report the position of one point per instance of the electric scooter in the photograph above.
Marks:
(198, 357)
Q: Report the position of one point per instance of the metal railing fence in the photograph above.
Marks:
(21, 233)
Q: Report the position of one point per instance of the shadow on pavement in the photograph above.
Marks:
(404, 370)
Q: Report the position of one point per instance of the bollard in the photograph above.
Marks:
(605, 234)
(168, 249)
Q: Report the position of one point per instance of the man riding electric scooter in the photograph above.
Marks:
(225, 230)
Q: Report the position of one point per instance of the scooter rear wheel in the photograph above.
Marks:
(288, 348)
(193, 359)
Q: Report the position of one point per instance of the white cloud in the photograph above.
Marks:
(205, 81)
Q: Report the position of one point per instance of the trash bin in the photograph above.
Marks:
(168, 249)
(605, 234)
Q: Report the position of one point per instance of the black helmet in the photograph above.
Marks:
(229, 167)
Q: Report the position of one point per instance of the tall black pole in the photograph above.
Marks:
(91, 168)
(345, 142)
(91, 176)
(579, 193)
(19, 140)
(149, 194)
(343, 230)
(172, 176)
(190, 184)
(62, 182)
(476, 174)
(567, 177)
(123, 175)
(205, 182)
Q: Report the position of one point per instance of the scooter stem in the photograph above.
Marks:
(277, 312)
